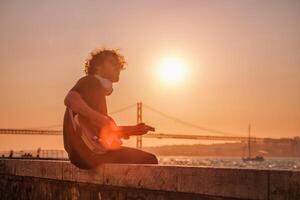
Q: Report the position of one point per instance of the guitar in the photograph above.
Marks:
(108, 137)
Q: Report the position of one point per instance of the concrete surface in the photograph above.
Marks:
(62, 180)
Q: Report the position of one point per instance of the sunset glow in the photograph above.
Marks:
(216, 64)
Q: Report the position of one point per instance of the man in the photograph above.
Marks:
(87, 99)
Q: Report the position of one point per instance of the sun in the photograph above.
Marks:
(172, 70)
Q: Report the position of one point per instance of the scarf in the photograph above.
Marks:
(106, 83)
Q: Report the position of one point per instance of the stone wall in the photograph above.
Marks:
(36, 179)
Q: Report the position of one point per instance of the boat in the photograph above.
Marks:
(258, 158)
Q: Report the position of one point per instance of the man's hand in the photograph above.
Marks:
(142, 129)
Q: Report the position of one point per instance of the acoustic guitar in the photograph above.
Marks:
(108, 137)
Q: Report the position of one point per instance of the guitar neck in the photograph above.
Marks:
(125, 131)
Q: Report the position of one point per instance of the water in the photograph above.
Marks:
(229, 162)
(232, 162)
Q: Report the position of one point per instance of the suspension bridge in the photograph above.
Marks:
(211, 134)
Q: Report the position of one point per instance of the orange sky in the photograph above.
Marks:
(243, 60)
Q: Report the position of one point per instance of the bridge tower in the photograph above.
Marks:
(139, 120)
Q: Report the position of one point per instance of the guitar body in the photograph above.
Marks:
(89, 134)
(83, 150)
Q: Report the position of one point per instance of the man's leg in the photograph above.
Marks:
(127, 155)
(75, 160)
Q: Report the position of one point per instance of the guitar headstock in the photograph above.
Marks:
(150, 128)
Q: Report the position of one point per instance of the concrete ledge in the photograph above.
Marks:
(215, 182)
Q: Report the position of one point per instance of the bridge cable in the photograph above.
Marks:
(186, 123)
(60, 125)
(122, 109)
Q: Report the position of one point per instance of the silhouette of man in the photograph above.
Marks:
(88, 99)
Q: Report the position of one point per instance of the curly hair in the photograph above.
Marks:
(97, 56)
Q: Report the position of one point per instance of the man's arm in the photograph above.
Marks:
(74, 101)
(139, 129)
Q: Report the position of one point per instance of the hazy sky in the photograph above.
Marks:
(242, 59)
